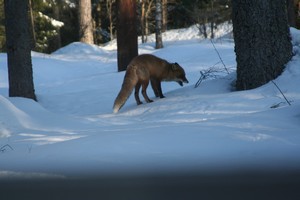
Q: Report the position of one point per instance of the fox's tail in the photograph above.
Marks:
(130, 80)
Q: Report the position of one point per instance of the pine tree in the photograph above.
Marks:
(18, 43)
(85, 21)
(262, 41)
(158, 24)
(126, 33)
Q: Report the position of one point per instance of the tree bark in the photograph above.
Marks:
(147, 18)
(126, 32)
(18, 43)
(109, 8)
(212, 22)
(262, 41)
(31, 22)
(158, 24)
(291, 10)
(143, 20)
(85, 22)
(164, 15)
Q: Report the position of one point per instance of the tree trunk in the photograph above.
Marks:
(143, 20)
(18, 43)
(54, 42)
(109, 8)
(31, 23)
(98, 38)
(158, 24)
(147, 18)
(291, 10)
(85, 22)
(164, 15)
(212, 22)
(262, 41)
(126, 32)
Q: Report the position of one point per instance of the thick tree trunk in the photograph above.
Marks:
(85, 22)
(126, 32)
(18, 42)
(158, 24)
(262, 41)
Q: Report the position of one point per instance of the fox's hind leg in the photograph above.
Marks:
(136, 93)
(144, 93)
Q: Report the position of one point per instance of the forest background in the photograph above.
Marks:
(55, 22)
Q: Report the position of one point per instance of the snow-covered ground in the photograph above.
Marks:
(71, 130)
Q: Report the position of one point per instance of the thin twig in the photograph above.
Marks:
(3, 148)
(281, 92)
(219, 56)
(208, 73)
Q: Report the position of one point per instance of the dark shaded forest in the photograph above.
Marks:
(55, 22)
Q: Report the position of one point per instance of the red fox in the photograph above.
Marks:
(140, 71)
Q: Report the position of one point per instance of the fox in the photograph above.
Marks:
(147, 68)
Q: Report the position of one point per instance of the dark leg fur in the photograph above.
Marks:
(154, 87)
(159, 90)
(136, 94)
(144, 93)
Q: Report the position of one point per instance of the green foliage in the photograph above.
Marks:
(48, 38)
(66, 12)
(44, 32)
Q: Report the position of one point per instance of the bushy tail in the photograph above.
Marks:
(130, 80)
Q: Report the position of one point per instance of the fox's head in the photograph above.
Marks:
(179, 74)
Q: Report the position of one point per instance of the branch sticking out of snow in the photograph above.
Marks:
(281, 92)
(5, 148)
(211, 73)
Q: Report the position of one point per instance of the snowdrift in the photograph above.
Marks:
(71, 129)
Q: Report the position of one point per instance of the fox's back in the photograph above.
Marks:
(149, 65)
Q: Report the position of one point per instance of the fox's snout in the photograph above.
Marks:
(184, 80)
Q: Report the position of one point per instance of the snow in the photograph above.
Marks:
(71, 130)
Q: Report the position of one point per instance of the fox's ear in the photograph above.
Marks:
(175, 66)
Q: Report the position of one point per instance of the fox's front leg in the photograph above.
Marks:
(156, 86)
(159, 89)
(144, 93)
